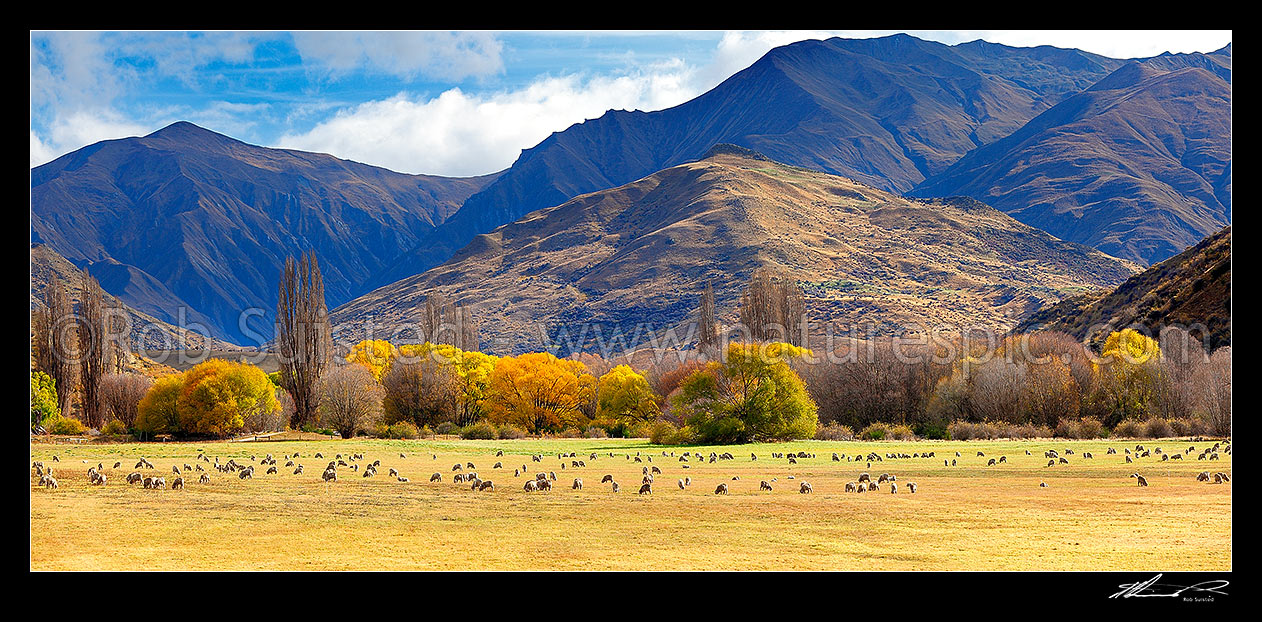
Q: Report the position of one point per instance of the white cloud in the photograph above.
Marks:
(443, 55)
(462, 134)
(82, 127)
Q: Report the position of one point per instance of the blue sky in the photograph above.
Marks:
(445, 103)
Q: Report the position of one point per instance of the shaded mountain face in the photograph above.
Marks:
(185, 220)
(887, 112)
(1138, 166)
(635, 258)
(1192, 288)
(147, 334)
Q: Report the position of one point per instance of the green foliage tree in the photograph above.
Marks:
(753, 395)
(44, 403)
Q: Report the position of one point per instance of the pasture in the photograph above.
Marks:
(1091, 516)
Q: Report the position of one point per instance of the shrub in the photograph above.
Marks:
(935, 431)
(874, 432)
(640, 430)
(114, 428)
(900, 433)
(511, 431)
(403, 429)
(1128, 428)
(1085, 429)
(1157, 428)
(834, 432)
(65, 425)
(962, 431)
(595, 432)
(447, 427)
(664, 433)
(570, 433)
(482, 430)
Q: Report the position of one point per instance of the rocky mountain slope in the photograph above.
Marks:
(1138, 165)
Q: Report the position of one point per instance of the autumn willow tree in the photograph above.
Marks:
(303, 336)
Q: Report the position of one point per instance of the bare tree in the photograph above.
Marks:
(55, 340)
(303, 335)
(707, 329)
(350, 399)
(423, 391)
(122, 393)
(774, 308)
(92, 351)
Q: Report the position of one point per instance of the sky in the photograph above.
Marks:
(440, 103)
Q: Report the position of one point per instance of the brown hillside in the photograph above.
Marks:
(1191, 288)
(638, 255)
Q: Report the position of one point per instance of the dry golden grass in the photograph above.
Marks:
(1092, 516)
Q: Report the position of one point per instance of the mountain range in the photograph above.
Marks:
(1128, 157)
(187, 221)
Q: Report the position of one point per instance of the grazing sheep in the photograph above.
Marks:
(1064, 461)
(657, 470)
(456, 467)
(159, 482)
(498, 465)
(762, 485)
(1003, 459)
(721, 490)
(135, 478)
(1052, 462)
(177, 483)
(1203, 476)
(49, 481)
(911, 487)
(687, 481)
(487, 485)
(394, 472)
(1128, 459)
(863, 487)
(805, 488)
(246, 473)
(864, 477)
(531, 486)
(681, 484)
(474, 484)
(437, 477)
(645, 489)
(578, 484)
(271, 471)
(545, 484)
(175, 470)
(204, 479)
(329, 475)
(298, 470)
(893, 488)
(552, 475)
(615, 487)
(648, 479)
(1139, 479)
(1042, 484)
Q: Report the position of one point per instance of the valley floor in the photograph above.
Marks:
(1092, 515)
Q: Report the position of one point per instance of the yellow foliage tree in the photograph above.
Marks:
(625, 397)
(219, 395)
(157, 412)
(1129, 372)
(539, 392)
(375, 354)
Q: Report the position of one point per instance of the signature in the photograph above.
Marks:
(1150, 587)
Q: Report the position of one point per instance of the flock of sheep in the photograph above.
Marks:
(466, 474)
